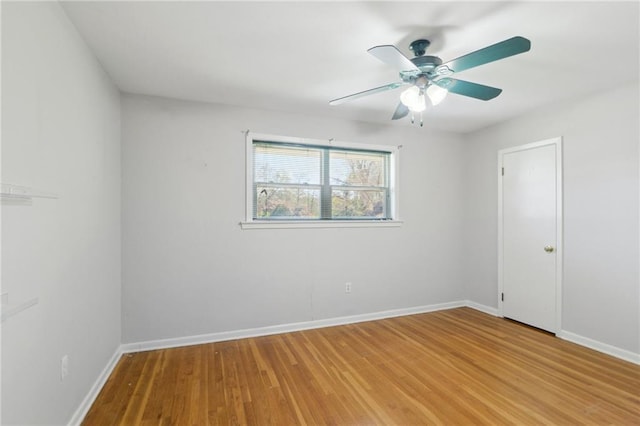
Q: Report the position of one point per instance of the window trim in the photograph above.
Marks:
(251, 223)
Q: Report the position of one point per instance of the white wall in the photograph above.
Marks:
(188, 267)
(600, 137)
(60, 133)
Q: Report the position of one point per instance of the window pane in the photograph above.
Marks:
(297, 180)
(358, 203)
(357, 168)
(279, 202)
(282, 164)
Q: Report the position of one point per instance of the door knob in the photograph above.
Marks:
(549, 249)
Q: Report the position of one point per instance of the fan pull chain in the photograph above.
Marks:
(412, 117)
(421, 119)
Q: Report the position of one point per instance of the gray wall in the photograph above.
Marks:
(60, 133)
(601, 281)
(188, 267)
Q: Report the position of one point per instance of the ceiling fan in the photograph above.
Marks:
(427, 75)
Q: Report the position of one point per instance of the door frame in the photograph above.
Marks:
(557, 142)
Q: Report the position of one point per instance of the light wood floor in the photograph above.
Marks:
(450, 367)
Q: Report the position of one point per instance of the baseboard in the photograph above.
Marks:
(600, 347)
(84, 407)
(86, 404)
(284, 328)
(574, 338)
(482, 308)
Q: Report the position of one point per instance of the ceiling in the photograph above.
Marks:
(296, 56)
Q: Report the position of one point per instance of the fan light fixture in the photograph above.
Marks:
(436, 93)
(413, 98)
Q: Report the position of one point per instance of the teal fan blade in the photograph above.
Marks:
(504, 49)
(466, 88)
(384, 88)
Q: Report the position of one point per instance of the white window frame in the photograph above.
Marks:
(251, 223)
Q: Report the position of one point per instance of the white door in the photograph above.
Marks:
(530, 238)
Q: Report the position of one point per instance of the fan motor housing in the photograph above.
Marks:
(426, 63)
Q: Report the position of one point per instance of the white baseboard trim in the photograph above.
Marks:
(88, 400)
(284, 328)
(84, 407)
(600, 347)
(482, 308)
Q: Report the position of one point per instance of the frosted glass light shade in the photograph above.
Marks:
(436, 93)
(413, 99)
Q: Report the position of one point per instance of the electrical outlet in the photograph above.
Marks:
(64, 367)
(347, 288)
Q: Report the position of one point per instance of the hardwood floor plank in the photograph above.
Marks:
(458, 366)
(138, 400)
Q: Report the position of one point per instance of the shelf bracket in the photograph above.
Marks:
(9, 310)
(16, 192)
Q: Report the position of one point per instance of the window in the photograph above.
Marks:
(298, 180)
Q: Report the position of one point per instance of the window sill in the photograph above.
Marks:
(290, 224)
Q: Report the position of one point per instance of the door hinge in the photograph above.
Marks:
(503, 171)
(502, 296)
